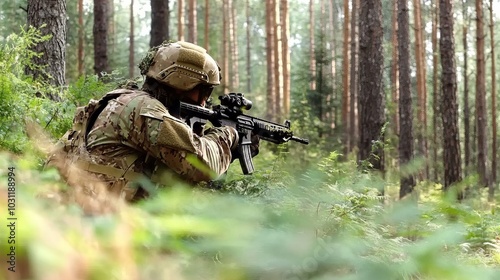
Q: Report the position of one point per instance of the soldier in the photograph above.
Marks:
(131, 133)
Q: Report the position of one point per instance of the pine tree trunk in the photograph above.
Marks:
(192, 24)
(435, 89)
(278, 63)
(160, 22)
(270, 61)
(180, 20)
(312, 54)
(235, 76)
(285, 34)
(225, 48)
(371, 97)
(131, 56)
(481, 122)
(421, 86)
(53, 51)
(407, 183)
(354, 86)
(332, 118)
(81, 40)
(101, 63)
(449, 106)
(395, 69)
(492, 185)
(207, 14)
(467, 134)
(345, 83)
(249, 55)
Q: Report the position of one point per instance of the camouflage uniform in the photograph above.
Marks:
(135, 134)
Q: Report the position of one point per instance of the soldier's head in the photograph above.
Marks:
(185, 69)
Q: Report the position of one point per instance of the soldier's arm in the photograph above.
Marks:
(169, 139)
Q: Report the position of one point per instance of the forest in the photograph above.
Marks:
(397, 99)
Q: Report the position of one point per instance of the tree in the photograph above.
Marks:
(180, 19)
(278, 61)
(233, 42)
(395, 69)
(491, 191)
(449, 106)
(131, 58)
(271, 88)
(248, 54)
(160, 22)
(407, 182)
(81, 40)
(50, 18)
(285, 34)
(371, 98)
(345, 81)
(353, 108)
(421, 84)
(101, 64)
(467, 134)
(192, 22)
(481, 123)
(207, 14)
(435, 87)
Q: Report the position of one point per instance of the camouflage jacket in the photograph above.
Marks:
(135, 135)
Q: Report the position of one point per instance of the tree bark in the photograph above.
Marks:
(249, 55)
(491, 191)
(481, 122)
(345, 81)
(270, 61)
(407, 181)
(101, 63)
(435, 89)
(160, 22)
(395, 69)
(467, 134)
(235, 76)
(192, 24)
(278, 62)
(354, 86)
(131, 49)
(421, 86)
(81, 40)
(449, 106)
(371, 98)
(180, 20)
(53, 51)
(285, 34)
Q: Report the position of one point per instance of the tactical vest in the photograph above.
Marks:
(74, 144)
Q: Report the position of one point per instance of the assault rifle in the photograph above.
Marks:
(230, 113)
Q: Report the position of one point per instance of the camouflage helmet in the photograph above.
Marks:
(181, 65)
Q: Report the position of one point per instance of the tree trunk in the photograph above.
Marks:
(160, 22)
(467, 134)
(81, 40)
(332, 118)
(249, 55)
(225, 48)
(235, 76)
(435, 89)
(131, 57)
(207, 8)
(481, 123)
(101, 63)
(180, 20)
(285, 34)
(53, 51)
(407, 182)
(312, 54)
(492, 185)
(421, 86)
(192, 24)
(354, 86)
(345, 82)
(395, 69)
(371, 97)
(449, 106)
(278, 62)
(270, 61)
